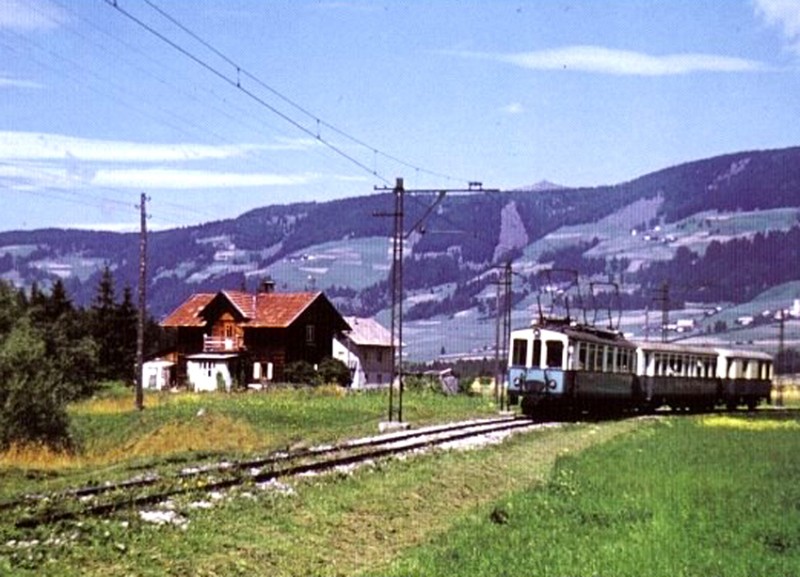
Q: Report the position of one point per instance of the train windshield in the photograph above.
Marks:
(519, 352)
(555, 354)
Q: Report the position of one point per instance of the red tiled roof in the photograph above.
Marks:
(243, 301)
(279, 310)
(188, 314)
(263, 310)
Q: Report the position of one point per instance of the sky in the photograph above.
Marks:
(215, 107)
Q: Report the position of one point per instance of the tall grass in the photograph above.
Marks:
(112, 437)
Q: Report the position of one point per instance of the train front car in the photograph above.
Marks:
(560, 369)
(745, 377)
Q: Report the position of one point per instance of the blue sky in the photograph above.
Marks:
(273, 102)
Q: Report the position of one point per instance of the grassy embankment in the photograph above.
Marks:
(713, 495)
(114, 440)
(337, 524)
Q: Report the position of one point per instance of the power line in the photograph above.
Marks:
(236, 84)
(106, 89)
(319, 121)
(241, 72)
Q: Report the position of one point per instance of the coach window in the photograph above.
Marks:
(624, 360)
(555, 354)
(608, 359)
(581, 356)
(519, 352)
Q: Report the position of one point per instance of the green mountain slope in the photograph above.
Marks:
(729, 221)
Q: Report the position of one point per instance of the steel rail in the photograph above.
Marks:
(353, 453)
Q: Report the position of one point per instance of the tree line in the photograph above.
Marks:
(52, 353)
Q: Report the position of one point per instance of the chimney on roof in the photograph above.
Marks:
(267, 286)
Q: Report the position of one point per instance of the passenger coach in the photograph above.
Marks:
(682, 377)
(745, 377)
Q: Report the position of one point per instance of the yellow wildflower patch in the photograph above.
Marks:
(209, 432)
(38, 457)
(743, 423)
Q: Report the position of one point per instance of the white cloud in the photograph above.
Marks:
(783, 14)
(30, 15)
(513, 108)
(600, 60)
(30, 161)
(43, 146)
(6, 82)
(165, 178)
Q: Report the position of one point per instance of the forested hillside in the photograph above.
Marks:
(724, 222)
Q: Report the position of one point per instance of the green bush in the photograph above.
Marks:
(420, 383)
(335, 372)
(302, 372)
(32, 393)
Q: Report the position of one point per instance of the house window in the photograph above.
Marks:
(310, 335)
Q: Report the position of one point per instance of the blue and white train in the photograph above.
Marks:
(559, 367)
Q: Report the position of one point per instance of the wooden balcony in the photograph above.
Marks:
(222, 344)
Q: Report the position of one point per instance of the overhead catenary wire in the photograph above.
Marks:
(169, 118)
(319, 121)
(241, 72)
(236, 84)
(78, 73)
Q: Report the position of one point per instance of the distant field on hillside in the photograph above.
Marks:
(347, 263)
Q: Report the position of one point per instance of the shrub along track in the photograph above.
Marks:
(152, 488)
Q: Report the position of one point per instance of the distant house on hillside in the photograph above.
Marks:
(235, 335)
(366, 349)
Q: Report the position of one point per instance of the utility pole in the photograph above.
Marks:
(398, 238)
(663, 299)
(782, 335)
(502, 333)
(397, 299)
(142, 206)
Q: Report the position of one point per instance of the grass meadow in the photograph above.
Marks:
(659, 496)
(714, 495)
(114, 440)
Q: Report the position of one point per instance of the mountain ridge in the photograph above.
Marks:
(340, 246)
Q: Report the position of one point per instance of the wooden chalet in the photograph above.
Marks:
(236, 335)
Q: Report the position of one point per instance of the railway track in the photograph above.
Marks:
(154, 488)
